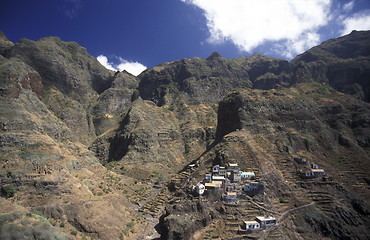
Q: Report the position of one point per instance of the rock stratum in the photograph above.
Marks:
(88, 153)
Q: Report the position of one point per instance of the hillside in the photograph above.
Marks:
(88, 153)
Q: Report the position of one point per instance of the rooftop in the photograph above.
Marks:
(317, 170)
(265, 218)
(218, 178)
(251, 222)
(231, 193)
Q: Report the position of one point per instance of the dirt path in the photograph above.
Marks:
(266, 233)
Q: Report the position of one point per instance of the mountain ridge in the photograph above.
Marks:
(90, 153)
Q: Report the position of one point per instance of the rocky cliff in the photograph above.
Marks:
(88, 153)
(343, 63)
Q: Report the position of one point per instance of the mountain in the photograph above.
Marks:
(343, 63)
(89, 153)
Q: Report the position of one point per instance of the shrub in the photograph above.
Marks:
(7, 191)
(38, 213)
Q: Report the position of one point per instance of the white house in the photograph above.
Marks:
(251, 225)
(232, 166)
(315, 172)
(247, 174)
(230, 197)
(266, 222)
(201, 189)
(218, 178)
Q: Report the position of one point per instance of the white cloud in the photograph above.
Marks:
(251, 23)
(104, 61)
(135, 68)
(359, 21)
(348, 6)
(290, 48)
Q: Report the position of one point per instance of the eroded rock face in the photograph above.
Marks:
(114, 102)
(192, 81)
(71, 79)
(147, 137)
(343, 63)
(56, 99)
(265, 130)
(317, 110)
(44, 166)
(185, 218)
(195, 80)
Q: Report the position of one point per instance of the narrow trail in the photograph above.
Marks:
(284, 214)
(261, 207)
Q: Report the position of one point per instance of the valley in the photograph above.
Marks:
(89, 153)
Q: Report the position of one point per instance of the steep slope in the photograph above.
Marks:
(71, 79)
(58, 188)
(48, 171)
(343, 63)
(264, 132)
(196, 80)
(192, 81)
(151, 139)
(66, 122)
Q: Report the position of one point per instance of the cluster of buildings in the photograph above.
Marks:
(308, 169)
(260, 223)
(229, 181)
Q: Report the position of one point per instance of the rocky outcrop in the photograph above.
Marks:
(343, 63)
(265, 130)
(195, 80)
(71, 79)
(18, 223)
(44, 166)
(114, 102)
(5, 44)
(185, 218)
(192, 81)
(148, 139)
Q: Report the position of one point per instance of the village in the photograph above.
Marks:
(240, 193)
(228, 183)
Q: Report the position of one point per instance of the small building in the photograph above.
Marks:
(251, 226)
(232, 167)
(230, 197)
(315, 172)
(314, 166)
(208, 177)
(222, 171)
(266, 222)
(247, 175)
(213, 185)
(218, 179)
(235, 177)
(252, 186)
(215, 169)
(199, 189)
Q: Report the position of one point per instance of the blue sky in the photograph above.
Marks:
(137, 33)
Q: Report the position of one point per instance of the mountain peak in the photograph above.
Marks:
(214, 55)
